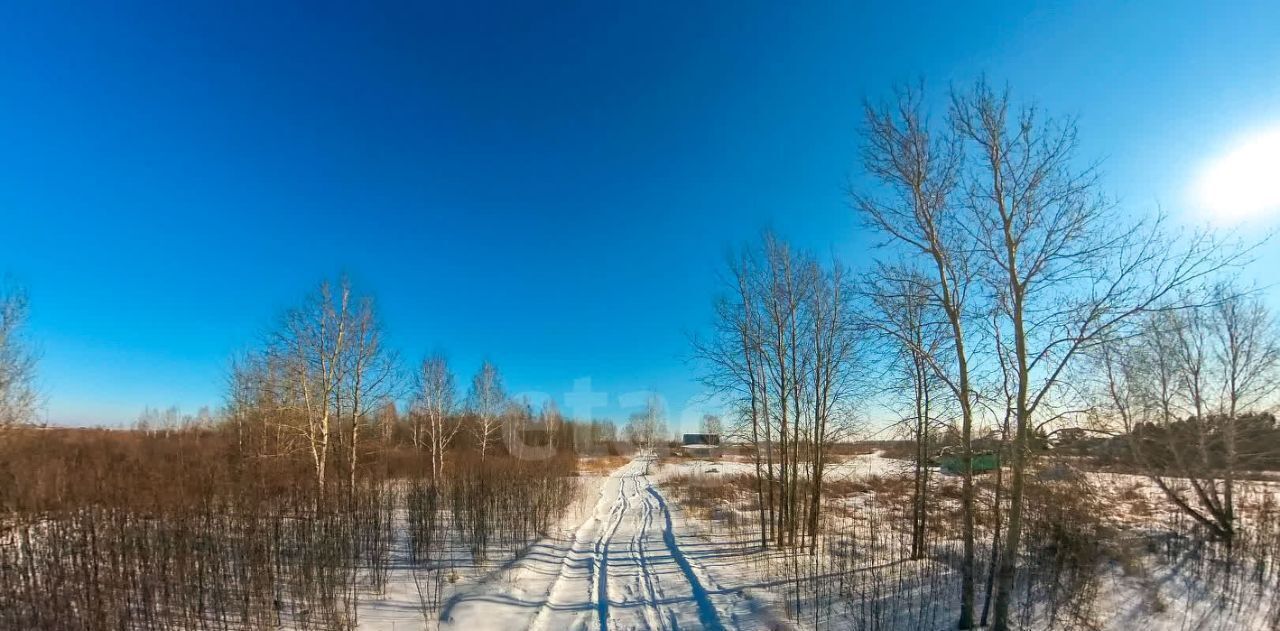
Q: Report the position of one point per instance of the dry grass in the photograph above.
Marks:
(600, 465)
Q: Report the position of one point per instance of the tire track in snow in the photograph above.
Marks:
(707, 614)
(600, 597)
(582, 537)
(617, 551)
(643, 576)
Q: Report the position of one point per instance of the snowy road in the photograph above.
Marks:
(623, 568)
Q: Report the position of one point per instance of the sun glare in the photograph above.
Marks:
(1245, 183)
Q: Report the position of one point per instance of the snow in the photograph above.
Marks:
(630, 562)
(862, 465)
(626, 556)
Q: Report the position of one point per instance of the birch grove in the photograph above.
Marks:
(322, 375)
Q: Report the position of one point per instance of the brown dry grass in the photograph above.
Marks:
(600, 465)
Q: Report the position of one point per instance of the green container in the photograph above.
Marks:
(982, 463)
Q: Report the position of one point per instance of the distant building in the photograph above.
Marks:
(706, 440)
(701, 445)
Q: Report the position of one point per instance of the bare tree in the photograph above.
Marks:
(323, 372)
(516, 417)
(552, 421)
(783, 352)
(903, 304)
(1187, 390)
(167, 421)
(18, 395)
(834, 346)
(648, 426)
(310, 347)
(922, 168)
(487, 400)
(733, 365)
(782, 298)
(432, 410)
(370, 375)
(711, 424)
(1064, 266)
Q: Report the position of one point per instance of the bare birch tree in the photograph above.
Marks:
(433, 409)
(904, 307)
(323, 374)
(310, 348)
(487, 401)
(552, 421)
(370, 375)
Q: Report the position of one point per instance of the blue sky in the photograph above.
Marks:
(551, 186)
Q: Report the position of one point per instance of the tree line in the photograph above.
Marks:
(284, 507)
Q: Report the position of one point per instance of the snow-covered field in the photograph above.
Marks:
(1142, 590)
(843, 468)
(626, 555)
(624, 558)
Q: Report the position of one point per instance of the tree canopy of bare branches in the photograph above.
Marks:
(19, 397)
(433, 407)
(922, 168)
(1192, 391)
(487, 399)
(783, 353)
(324, 370)
(991, 218)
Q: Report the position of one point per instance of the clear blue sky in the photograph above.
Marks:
(549, 186)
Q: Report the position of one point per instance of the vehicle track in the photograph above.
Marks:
(622, 570)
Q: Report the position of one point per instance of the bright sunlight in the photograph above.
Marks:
(1245, 183)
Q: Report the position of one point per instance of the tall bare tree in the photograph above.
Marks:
(783, 352)
(783, 290)
(1065, 267)
(922, 166)
(903, 306)
(19, 397)
(433, 409)
(310, 347)
(324, 371)
(733, 366)
(552, 421)
(370, 375)
(835, 344)
(487, 400)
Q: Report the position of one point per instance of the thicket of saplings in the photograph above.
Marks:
(863, 570)
(187, 530)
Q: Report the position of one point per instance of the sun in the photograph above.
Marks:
(1244, 184)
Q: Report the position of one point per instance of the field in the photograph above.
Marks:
(582, 542)
(1104, 551)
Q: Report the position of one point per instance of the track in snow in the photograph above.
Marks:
(622, 569)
